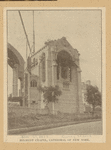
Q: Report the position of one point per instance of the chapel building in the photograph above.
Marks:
(57, 63)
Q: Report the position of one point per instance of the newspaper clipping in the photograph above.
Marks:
(54, 75)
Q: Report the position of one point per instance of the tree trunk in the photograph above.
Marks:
(53, 108)
(93, 110)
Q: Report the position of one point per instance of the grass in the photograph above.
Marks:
(31, 120)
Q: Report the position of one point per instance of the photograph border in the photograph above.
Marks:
(92, 138)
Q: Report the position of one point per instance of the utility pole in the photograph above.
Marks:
(24, 30)
(28, 65)
(33, 35)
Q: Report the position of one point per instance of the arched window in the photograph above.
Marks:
(33, 83)
(43, 67)
(64, 61)
(64, 72)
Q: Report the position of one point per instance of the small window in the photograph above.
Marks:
(33, 83)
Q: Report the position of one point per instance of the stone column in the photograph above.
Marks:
(54, 79)
(54, 67)
(40, 103)
(20, 90)
(80, 103)
(23, 90)
(15, 80)
(54, 73)
(29, 100)
(60, 73)
(47, 72)
(39, 75)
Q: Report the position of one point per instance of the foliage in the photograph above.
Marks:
(50, 93)
(39, 120)
(93, 96)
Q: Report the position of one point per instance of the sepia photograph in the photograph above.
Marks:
(54, 75)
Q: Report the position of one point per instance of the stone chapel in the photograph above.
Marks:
(57, 63)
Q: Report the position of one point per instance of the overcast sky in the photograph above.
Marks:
(82, 29)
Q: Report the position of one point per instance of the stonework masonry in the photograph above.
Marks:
(57, 63)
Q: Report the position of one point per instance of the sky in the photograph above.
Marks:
(82, 29)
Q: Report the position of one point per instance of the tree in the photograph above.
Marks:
(50, 94)
(93, 96)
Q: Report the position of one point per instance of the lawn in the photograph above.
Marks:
(31, 120)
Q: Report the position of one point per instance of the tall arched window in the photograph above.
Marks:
(43, 67)
(33, 83)
(64, 72)
(64, 60)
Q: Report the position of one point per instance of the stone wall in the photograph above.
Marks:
(71, 99)
(68, 101)
(34, 94)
